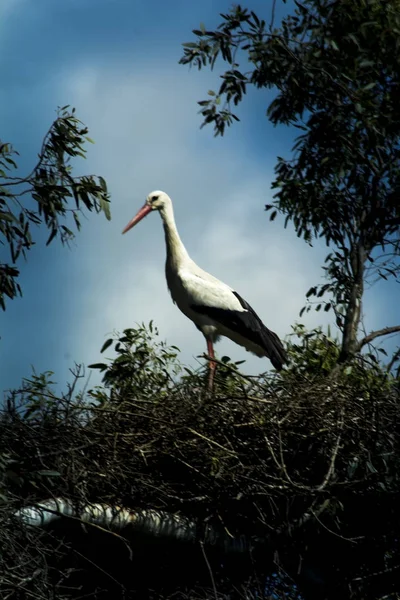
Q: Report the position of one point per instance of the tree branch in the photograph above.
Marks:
(374, 334)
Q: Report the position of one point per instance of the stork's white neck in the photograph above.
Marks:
(176, 251)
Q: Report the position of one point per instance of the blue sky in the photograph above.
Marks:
(116, 62)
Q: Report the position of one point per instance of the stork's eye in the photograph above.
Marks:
(154, 198)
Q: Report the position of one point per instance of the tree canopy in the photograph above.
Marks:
(335, 68)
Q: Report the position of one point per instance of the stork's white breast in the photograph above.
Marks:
(191, 286)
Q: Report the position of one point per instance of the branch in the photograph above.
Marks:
(333, 457)
(374, 334)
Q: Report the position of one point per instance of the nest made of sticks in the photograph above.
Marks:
(292, 454)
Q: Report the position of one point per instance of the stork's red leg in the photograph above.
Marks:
(211, 365)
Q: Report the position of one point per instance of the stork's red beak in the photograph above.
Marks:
(138, 217)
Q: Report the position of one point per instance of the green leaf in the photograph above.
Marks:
(311, 292)
(51, 236)
(106, 345)
(105, 206)
(10, 161)
(7, 216)
(100, 366)
(103, 184)
(77, 221)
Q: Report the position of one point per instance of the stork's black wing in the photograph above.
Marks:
(248, 324)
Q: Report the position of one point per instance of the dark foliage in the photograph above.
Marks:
(43, 198)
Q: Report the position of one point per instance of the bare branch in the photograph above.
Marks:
(374, 334)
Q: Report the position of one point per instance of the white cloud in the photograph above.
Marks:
(147, 137)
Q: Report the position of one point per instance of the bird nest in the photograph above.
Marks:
(288, 463)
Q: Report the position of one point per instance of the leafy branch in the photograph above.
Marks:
(43, 196)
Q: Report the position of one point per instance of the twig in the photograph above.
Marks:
(334, 455)
(98, 567)
(352, 540)
(209, 570)
(213, 442)
(388, 570)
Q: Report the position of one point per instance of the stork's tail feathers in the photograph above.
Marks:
(266, 338)
(274, 348)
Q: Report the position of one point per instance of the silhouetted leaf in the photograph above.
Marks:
(106, 345)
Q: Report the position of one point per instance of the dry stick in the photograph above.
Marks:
(212, 441)
(98, 567)
(131, 414)
(334, 455)
(281, 465)
(251, 398)
(272, 451)
(388, 570)
(187, 464)
(209, 570)
(353, 540)
(55, 452)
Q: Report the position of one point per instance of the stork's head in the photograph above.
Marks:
(155, 201)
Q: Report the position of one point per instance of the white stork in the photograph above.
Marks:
(214, 307)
